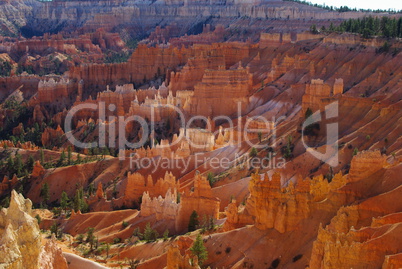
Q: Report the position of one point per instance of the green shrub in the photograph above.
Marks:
(80, 238)
(38, 218)
(211, 179)
(253, 153)
(150, 234)
(166, 235)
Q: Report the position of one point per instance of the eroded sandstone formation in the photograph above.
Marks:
(165, 209)
(136, 184)
(21, 240)
(214, 88)
(176, 260)
(52, 256)
(200, 200)
(52, 136)
(52, 91)
(271, 205)
(317, 91)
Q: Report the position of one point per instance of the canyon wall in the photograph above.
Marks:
(269, 39)
(229, 86)
(317, 91)
(193, 71)
(52, 91)
(144, 64)
(108, 15)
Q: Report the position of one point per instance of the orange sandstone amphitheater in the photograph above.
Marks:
(189, 134)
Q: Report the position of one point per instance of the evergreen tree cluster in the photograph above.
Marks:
(25, 68)
(116, 56)
(344, 8)
(207, 224)
(373, 26)
(149, 234)
(79, 202)
(5, 68)
(66, 159)
(15, 166)
(18, 112)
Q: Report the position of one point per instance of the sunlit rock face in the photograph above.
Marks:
(51, 256)
(20, 240)
(201, 200)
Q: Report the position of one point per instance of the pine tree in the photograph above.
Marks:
(90, 237)
(84, 206)
(253, 152)
(77, 201)
(55, 230)
(18, 164)
(10, 165)
(38, 218)
(44, 192)
(193, 223)
(149, 233)
(30, 162)
(42, 157)
(165, 235)
(211, 179)
(313, 29)
(62, 158)
(64, 200)
(91, 189)
(198, 249)
(211, 223)
(138, 233)
(105, 151)
(5, 202)
(69, 154)
(308, 113)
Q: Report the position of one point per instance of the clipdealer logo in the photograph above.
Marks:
(113, 127)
